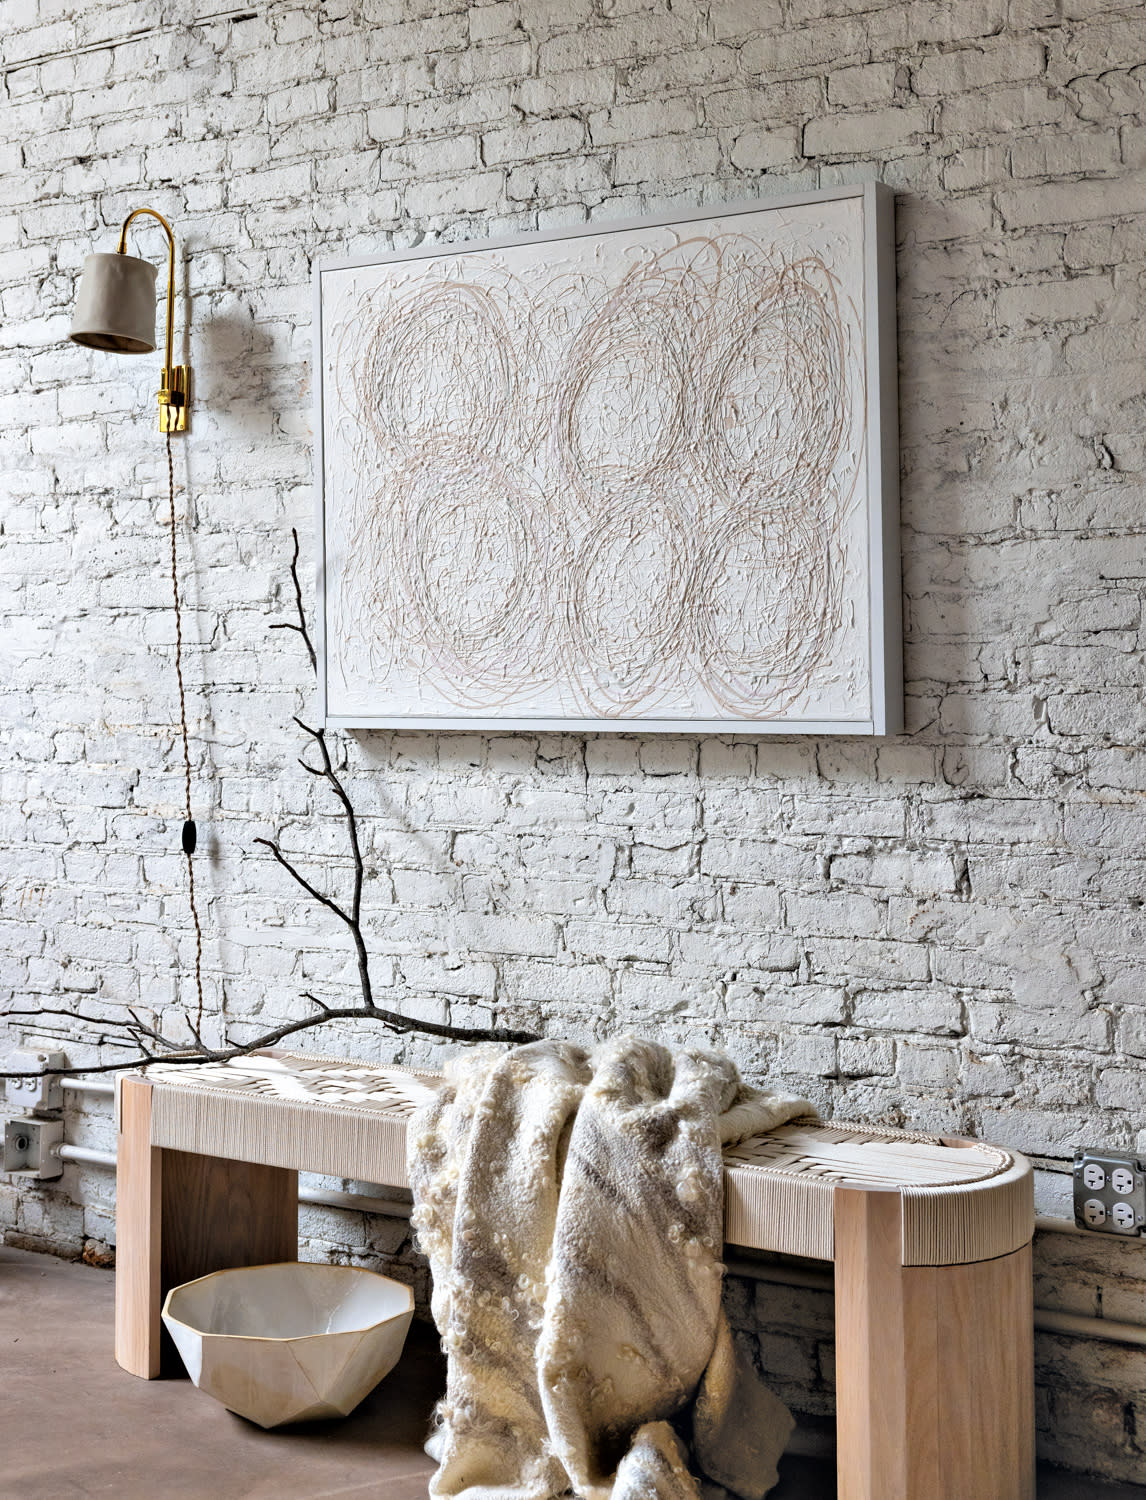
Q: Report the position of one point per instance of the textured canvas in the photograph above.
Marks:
(618, 477)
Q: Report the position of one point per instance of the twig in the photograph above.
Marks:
(353, 917)
(390, 1019)
(154, 1047)
(301, 626)
(302, 880)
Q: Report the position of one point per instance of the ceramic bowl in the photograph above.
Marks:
(290, 1342)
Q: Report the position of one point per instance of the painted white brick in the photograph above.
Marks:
(871, 84)
(477, 192)
(615, 940)
(506, 934)
(1043, 303)
(667, 160)
(547, 138)
(544, 182)
(977, 67)
(1070, 203)
(808, 1054)
(858, 134)
(650, 118)
(864, 1057)
(757, 149)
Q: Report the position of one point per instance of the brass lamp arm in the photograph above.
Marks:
(174, 385)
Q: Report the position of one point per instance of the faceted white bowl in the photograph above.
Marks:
(289, 1342)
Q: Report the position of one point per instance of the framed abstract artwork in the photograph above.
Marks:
(632, 476)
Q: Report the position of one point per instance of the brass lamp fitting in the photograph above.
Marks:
(115, 310)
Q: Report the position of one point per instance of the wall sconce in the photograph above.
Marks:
(115, 310)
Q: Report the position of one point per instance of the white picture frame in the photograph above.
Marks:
(353, 300)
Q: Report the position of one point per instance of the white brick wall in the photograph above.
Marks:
(945, 929)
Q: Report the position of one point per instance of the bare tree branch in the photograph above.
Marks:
(329, 774)
(390, 1019)
(154, 1047)
(71, 1015)
(302, 880)
(300, 628)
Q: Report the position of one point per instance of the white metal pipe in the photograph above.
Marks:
(1075, 1325)
(362, 1203)
(813, 1281)
(86, 1155)
(1048, 1225)
(1047, 1319)
(96, 1089)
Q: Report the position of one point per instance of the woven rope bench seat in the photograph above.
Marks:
(930, 1239)
(962, 1200)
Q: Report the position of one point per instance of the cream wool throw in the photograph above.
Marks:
(571, 1205)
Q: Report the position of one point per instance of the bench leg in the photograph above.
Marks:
(179, 1216)
(934, 1366)
(138, 1178)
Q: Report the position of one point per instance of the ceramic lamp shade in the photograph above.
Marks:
(115, 304)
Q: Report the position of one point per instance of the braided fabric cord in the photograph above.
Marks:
(186, 742)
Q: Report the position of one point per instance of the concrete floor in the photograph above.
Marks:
(72, 1423)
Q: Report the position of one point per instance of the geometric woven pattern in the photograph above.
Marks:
(303, 1079)
(835, 1153)
(856, 1153)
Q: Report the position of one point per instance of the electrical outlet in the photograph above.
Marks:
(38, 1096)
(32, 1147)
(1109, 1191)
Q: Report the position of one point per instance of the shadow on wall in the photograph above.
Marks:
(235, 359)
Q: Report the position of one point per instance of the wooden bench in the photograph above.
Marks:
(930, 1237)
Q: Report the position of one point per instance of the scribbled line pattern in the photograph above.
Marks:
(611, 500)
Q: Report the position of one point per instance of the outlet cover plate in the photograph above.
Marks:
(37, 1096)
(32, 1147)
(1109, 1191)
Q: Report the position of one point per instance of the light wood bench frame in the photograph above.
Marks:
(934, 1361)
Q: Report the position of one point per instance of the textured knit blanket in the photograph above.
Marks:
(571, 1206)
